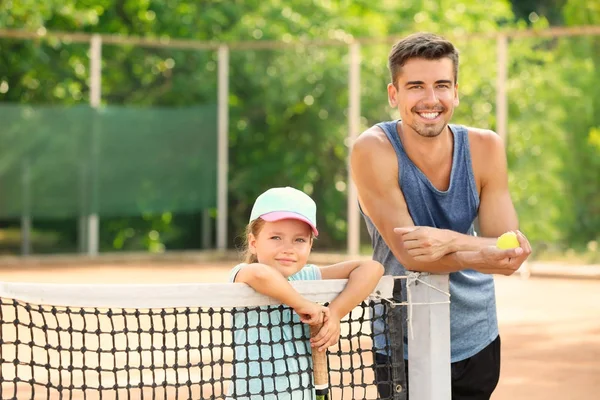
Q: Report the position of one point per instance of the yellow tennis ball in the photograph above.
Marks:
(507, 241)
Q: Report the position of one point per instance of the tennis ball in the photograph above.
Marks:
(507, 241)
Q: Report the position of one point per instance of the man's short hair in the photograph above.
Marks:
(421, 45)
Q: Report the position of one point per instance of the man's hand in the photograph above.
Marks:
(312, 313)
(505, 262)
(424, 243)
(328, 335)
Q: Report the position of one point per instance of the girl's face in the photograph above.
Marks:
(283, 245)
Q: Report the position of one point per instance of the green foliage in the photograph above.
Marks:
(581, 60)
(288, 107)
(594, 138)
(531, 10)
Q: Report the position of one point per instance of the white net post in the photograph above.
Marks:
(429, 339)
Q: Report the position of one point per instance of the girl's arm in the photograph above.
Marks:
(363, 277)
(268, 281)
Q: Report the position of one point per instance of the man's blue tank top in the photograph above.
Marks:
(473, 322)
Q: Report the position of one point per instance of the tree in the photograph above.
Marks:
(288, 118)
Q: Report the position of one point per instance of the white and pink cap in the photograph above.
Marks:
(285, 203)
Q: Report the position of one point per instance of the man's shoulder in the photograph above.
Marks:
(372, 154)
(487, 153)
(371, 141)
(482, 135)
(373, 133)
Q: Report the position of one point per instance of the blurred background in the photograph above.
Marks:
(110, 142)
(145, 129)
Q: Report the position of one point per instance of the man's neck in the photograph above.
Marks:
(426, 151)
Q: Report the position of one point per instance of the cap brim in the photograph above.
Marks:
(279, 215)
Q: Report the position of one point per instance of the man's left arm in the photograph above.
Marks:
(497, 214)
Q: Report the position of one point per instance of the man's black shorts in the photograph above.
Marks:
(474, 378)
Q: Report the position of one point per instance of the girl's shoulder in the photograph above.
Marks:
(234, 271)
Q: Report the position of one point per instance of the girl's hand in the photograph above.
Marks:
(329, 333)
(312, 313)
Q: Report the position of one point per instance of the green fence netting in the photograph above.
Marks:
(58, 162)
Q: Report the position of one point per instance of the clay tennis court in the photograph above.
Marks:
(550, 338)
(550, 327)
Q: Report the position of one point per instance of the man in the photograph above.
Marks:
(421, 185)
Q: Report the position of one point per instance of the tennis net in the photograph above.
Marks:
(181, 341)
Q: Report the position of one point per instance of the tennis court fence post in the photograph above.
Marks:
(93, 218)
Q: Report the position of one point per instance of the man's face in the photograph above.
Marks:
(425, 95)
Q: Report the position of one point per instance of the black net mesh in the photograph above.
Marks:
(179, 353)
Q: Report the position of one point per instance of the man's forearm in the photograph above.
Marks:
(488, 259)
(452, 262)
(462, 242)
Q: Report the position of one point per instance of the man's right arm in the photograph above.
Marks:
(374, 168)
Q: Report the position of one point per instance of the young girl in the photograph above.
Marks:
(271, 359)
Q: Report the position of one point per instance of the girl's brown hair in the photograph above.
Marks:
(254, 228)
